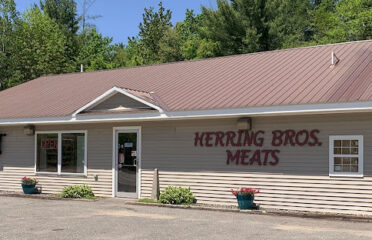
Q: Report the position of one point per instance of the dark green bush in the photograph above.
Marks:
(177, 195)
(77, 191)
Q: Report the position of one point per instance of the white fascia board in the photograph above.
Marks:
(329, 108)
(110, 93)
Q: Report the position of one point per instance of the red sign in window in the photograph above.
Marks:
(49, 143)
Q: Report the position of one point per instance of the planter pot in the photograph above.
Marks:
(29, 189)
(244, 201)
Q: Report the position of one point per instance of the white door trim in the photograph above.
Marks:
(115, 132)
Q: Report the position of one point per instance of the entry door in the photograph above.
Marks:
(127, 162)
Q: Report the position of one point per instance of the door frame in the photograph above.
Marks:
(116, 131)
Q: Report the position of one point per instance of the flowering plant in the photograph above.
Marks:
(245, 191)
(29, 181)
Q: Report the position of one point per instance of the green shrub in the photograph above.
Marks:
(77, 191)
(177, 195)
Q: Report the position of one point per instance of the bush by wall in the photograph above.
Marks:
(177, 195)
(77, 191)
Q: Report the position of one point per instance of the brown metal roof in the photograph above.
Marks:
(283, 77)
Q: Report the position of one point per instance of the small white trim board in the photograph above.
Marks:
(109, 94)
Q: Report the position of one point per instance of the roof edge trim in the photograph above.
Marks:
(110, 93)
(323, 108)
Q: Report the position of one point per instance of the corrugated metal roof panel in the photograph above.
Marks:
(283, 77)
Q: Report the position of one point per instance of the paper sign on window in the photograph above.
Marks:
(128, 144)
(121, 158)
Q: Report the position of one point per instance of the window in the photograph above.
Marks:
(61, 152)
(346, 155)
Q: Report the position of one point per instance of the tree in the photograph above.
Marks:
(40, 48)
(151, 31)
(238, 26)
(290, 23)
(344, 20)
(97, 52)
(170, 47)
(193, 45)
(8, 19)
(63, 11)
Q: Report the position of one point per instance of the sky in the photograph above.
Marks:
(120, 18)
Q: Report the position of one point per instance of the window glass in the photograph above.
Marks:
(47, 152)
(73, 149)
(347, 155)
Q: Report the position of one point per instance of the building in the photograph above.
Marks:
(294, 123)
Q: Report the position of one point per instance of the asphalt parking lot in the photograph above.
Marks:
(23, 218)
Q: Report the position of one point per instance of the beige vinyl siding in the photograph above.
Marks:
(18, 160)
(299, 182)
(119, 100)
(292, 192)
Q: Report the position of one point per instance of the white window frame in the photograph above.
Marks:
(59, 166)
(360, 155)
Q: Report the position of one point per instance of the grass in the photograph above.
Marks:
(147, 200)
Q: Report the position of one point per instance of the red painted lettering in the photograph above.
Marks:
(275, 157)
(244, 155)
(289, 137)
(258, 141)
(198, 139)
(256, 158)
(240, 135)
(267, 152)
(219, 139)
(230, 138)
(248, 138)
(208, 139)
(232, 158)
(302, 137)
(314, 137)
(277, 138)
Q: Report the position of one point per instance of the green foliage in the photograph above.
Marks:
(46, 39)
(344, 20)
(290, 24)
(96, 52)
(170, 47)
(152, 29)
(77, 191)
(177, 195)
(8, 21)
(40, 48)
(63, 11)
(238, 26)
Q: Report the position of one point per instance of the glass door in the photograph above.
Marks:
(127, 162)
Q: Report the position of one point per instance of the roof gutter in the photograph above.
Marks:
(329, 108)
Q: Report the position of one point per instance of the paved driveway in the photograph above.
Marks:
(112, 219)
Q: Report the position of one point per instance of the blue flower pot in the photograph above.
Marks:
(28, 189)
(245, 201)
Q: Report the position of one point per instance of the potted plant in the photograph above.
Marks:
(245, 197)
(28, 185)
